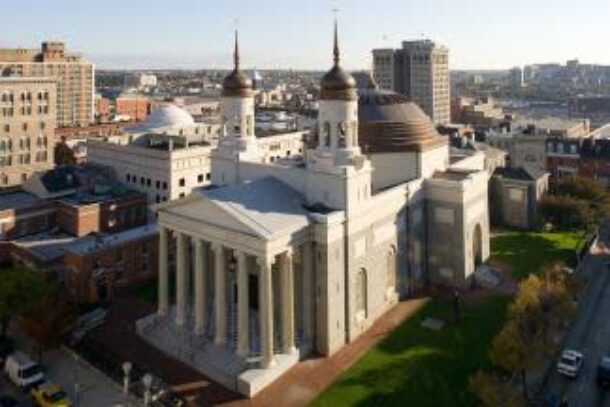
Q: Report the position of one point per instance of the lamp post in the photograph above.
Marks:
(126, 370)
(147, 381)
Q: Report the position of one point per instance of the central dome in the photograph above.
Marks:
(390, 123)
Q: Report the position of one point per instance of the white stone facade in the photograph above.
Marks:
(323, 251)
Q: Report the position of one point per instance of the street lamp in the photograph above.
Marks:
(126, 370)
(147, 380)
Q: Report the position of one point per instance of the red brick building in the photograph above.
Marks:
(136, 107)
(82, 226)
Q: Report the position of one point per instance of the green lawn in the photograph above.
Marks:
(419, 367)
(528, 252)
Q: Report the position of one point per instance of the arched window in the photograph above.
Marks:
(342, 132)
(391, 268)
(361, 293)
(326, 134)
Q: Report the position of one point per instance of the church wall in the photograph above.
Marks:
(454, 210)
(436, 159)
(329, 269)
(473, 162)
(391, 169)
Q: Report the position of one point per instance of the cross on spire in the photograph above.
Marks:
(336, 55)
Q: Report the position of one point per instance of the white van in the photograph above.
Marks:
(22, 371)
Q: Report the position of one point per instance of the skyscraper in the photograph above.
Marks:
(419, 70)
(74, 75)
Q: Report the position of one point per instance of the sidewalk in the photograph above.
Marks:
(300, 385)
(65, 368)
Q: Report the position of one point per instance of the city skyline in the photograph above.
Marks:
(140, 35)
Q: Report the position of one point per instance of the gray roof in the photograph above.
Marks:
(266, 207)
(17, 200)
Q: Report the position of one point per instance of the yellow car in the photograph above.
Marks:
(49, 395)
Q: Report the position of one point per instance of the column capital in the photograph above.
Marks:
(265, 260)
(289, 252)
(216, 246)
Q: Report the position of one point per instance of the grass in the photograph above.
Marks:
(420, 367)
(528, 252)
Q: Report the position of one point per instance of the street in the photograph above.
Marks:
(66, 369)
(590, 334)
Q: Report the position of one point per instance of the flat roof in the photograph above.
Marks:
(93, 243)
(17, 200)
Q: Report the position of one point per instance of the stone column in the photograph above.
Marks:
(243, 318)
(181, 279)
(163, 288)
(200, 286)
(287, 287)
(307, 274)
(220, 292)
(265, 293)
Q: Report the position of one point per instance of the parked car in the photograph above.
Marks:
(603, 372)
(49, 395)
(570, 363)
(22, 371)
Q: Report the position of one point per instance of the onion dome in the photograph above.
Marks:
(337, 84)
(389, 123)
(237, 83)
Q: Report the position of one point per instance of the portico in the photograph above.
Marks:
(235, 291)
(234, 275)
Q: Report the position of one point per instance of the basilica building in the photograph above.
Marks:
(278, 261)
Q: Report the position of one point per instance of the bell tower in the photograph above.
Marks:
(341, 175)
(238, 140)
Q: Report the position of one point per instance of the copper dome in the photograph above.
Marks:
(390, 123)
(237, 83)
(337, 84)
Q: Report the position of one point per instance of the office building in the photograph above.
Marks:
(419, 70)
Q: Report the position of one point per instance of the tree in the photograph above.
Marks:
(582, 188)
(20, 288)
(540, 308)
(494, 391)
(565, 212)
(48, 319)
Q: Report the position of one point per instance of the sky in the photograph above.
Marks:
(293, 34)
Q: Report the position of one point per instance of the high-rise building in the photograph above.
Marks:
(75, 78)
(515, 78)
(419, 70)
(27, 127)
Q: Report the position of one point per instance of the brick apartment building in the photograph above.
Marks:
(91, 232)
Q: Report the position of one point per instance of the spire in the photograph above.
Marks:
(336, 43)
(236, 52)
